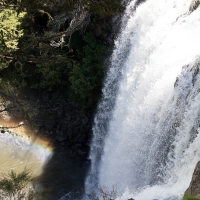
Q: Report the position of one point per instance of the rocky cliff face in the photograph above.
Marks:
(194, 5)
(64, 122)
(194, 188)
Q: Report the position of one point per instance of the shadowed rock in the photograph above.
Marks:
(194, 188)
(194, 5)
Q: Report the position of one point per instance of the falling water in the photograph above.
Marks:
(146, 130)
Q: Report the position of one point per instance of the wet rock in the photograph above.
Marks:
(81, 152)
(81, 139)
(63, 122)
(60, 113)
(10, 105)
(68, 118)
(138, 2)
(58, 126)
(77, 122)
(2, 131)
(49, 124)
(85, 120)
(194, 5)
(36, 131)
(194, 188)
(37, 122)
(78, 146)
(45, 98)
(60, 138)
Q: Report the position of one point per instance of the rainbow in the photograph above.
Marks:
(19, 149)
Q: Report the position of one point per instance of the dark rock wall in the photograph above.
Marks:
(194, 188)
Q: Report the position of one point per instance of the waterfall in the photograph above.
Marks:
(146, 131)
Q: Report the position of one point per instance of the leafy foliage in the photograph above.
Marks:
(53, 76)
(19, 186)
(101, 8)
(4, 63)
(54, 71)
(105, 8)
(86, 77)
(10, 31)
(24, 5)
(50, 58)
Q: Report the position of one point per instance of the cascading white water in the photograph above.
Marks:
(146, 129)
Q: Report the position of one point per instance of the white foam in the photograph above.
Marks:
(163, 37)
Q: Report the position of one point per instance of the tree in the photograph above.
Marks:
(104, 8)
(10, 32)
(9, 29)
(43, 58)
(86, 77)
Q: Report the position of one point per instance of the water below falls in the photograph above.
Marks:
(53, 168)
(18, 150)
(146, 131)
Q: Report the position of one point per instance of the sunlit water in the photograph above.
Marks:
(20, 149)
(54, 168)
(146, 140)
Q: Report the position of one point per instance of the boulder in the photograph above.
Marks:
(194, 188)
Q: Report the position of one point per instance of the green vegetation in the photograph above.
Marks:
(19, 186)
(101, 8)
(189, 197)
(9, 29)
(10, 32)
(43, 49)
(86, 77)
(104, 8)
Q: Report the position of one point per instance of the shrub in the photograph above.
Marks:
(86, 77)
(19, 186)
(189, 197)
(10, 22)
(105, 8)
